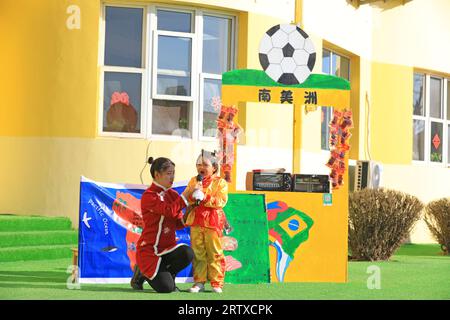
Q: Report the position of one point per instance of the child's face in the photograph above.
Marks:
(165, 178)
(204, 167)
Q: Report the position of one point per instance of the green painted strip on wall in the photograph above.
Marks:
(251, 77)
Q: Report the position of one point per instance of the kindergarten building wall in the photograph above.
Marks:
(49, 115)
(407, 39)
(386, 44)
(52, 79)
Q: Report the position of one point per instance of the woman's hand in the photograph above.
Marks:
(188, 191)
(189, 208)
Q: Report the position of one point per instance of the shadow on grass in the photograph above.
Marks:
(96, 288)
(56, 280)
(62, 285)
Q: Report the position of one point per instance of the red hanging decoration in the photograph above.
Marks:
(339, 125)
(228, 131)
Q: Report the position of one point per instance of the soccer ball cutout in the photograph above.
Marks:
(287, 54)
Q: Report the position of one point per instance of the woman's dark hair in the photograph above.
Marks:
(159, 165)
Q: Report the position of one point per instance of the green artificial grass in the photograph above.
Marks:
(36, 252)
(35, 238)
(419, 250)
(416, 272)
(13, 223)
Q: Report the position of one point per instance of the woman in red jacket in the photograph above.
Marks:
(158, 257)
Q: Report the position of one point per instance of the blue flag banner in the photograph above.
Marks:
(109, 228)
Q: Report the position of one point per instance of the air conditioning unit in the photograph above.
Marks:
(368, 175)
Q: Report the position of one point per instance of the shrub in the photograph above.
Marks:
(379, 222)
(437, 218)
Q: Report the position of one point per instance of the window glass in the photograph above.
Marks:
(171, 117)
(340, 66)
(123, 38)
(216, 44)
(173, 85)
(174, 53)
(174, 65)
(122, 102)
(326, 62)
(418, 103)
(436, 142)
(344, 68)
(435, 98)
(325, 128)
(212, 90)
(174, 21)
(419, 140)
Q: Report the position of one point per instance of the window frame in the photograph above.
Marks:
(149, 70)
(156, 33)
(429, 119)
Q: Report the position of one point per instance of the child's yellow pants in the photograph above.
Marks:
(209, 260)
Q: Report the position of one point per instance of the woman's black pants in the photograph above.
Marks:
(171, 264)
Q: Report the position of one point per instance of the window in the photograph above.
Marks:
(431, 117)
(123, 70)
(419, 118)
(162, 70)
(172, 78)
(217, 53)
(337, 65)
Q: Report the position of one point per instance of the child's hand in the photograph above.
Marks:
(228, 228)
(198, 196)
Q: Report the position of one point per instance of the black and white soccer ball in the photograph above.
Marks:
(287, 54)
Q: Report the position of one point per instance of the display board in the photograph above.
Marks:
(111, 223)
(246, 247)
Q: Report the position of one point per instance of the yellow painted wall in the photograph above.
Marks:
(427, 183)
(415, 34)
(48, 118)
(365, 78)
(406, 37)
(390, 113)
(310, 122)
(53, 70)
(41, 175)
(340, 23)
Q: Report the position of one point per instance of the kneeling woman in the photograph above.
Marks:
(158, 257)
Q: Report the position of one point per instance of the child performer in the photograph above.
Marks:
(207, 220)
